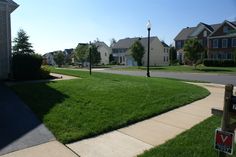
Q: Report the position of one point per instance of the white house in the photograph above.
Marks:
(6, 8)
(159, 52)
(49, 58)
(104, 51)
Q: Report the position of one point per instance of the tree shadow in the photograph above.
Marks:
(19, 127)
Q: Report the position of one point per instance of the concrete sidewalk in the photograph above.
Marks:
(135, 139)
(50, 149)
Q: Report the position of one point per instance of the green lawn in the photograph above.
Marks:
(190, 69)
(81, 108)
(196, 142)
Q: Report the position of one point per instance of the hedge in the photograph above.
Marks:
(219, 63)
(26, 66)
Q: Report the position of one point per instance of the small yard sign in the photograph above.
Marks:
(224, 141)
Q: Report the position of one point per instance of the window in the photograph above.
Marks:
(105, 54)
(234, 42)
(225, 29)
(229, 56)
(178, 44)
(205, 34)
(215, 43)
(164, 58)
(224, 43)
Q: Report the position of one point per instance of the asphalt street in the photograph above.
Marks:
(211, 78)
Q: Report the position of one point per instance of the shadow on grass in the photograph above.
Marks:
(19, 127)
(52, 96)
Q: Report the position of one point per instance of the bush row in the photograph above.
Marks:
(219, 63)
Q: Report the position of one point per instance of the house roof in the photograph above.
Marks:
(185, 33)
(101, 43)
(127, 42)
(164, 44)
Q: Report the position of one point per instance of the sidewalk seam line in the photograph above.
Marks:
(71, 150)
(135, 138)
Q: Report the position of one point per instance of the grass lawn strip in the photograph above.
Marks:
(82, 108)
(196, 142)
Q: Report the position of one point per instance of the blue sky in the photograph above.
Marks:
(59, 24)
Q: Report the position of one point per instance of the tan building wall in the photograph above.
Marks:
(5, 37)
(105, 53)
(158, 55)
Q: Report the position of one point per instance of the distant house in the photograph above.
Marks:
(104, 51)
(49, 59)
(159, 52)
(219, 40)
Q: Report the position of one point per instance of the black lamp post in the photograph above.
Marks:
(149, 29)
(90, 59)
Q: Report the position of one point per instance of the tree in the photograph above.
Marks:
(111, 59)
(59, 58)
(112, 42)
(95, 55)
(194, 51)
(137, 52)
(172, 54)
(22, 44)
(234, 55)
(82, 52)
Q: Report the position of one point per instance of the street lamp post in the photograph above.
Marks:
(149, 29)
(90, 59)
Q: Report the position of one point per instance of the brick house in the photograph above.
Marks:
(219, 40)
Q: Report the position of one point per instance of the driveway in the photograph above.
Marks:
(19, 128)
(213, 78)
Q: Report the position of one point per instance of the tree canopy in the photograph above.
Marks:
(137, 52)
(82, 53)
(172, 54)
(194, 51)
(59, 58)
(22, 44)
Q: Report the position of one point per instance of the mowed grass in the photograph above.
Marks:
(85, 107)
(185, 68)
(196, 142)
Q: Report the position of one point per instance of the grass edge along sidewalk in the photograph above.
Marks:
(82, 108)
(195, 142)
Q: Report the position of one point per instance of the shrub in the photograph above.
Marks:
(219, 63)
(45, 72)
(26, 66)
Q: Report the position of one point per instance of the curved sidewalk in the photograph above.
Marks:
(134, 139)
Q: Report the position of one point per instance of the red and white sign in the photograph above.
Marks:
(224, 141)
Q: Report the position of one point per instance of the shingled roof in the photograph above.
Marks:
(127, 42)
(184, 33)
